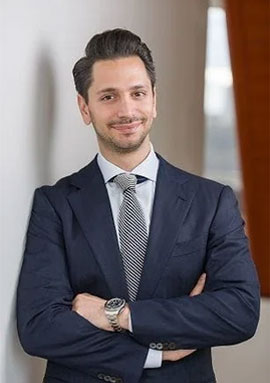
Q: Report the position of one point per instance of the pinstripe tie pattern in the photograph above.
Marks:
(132, 233)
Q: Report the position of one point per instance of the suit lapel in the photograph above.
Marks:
(171, 204)
(92, 208)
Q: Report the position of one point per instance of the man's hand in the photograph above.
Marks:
(175, 355)
(92, 308)
(198, 289)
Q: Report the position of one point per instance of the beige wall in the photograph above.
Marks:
(44, 138)
(248, 362)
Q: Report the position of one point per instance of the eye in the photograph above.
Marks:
(107, 97)
(139, 94)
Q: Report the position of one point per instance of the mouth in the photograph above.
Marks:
(127, 128)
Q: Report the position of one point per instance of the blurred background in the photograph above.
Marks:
(212, 60)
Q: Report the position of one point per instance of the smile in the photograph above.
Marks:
(127, 128)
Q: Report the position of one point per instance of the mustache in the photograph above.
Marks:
(126, 120)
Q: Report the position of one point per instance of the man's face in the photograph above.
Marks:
(121, 104)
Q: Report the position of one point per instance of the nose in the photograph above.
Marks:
(125, 107)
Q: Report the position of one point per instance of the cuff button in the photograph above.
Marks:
(165, 346)
(172, 346)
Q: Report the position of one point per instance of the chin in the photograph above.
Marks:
(127, 147)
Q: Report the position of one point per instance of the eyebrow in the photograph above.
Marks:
(135, 87)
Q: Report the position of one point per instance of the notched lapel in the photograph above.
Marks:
(171, 205)
(91, 206)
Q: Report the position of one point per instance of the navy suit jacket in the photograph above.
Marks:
(72, 248)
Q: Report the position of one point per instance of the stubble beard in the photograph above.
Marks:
(118, 146)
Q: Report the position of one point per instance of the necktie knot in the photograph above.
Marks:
(126, 181)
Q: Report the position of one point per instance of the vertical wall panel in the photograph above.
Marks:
(248, 27)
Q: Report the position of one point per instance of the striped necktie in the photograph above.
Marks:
(132, 232)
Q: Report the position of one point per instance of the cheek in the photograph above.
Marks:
(100, 117)
(147, 111)
(152, 110)
(151, 116)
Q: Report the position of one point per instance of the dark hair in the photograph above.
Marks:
(109, 45)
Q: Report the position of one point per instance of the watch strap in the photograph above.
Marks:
(113, 320)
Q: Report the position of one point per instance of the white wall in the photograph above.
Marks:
(247, 362)
(42, 136)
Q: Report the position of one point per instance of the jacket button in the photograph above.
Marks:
(159, 346)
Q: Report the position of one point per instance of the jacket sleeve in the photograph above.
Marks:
(47, 326)
(227, 311)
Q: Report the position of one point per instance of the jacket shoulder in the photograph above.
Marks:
(65, 185)
(194, 180)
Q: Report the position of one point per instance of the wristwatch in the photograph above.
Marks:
(113, 307)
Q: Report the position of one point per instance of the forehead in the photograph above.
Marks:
(119, 73)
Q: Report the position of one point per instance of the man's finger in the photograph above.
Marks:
(198, 289)
(174, 355)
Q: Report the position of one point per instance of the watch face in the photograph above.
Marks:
(115, 303)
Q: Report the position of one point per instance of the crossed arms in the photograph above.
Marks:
(50, 327)
(92, 309)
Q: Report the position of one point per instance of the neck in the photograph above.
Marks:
(127, 161)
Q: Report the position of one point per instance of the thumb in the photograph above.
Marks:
(198, 289)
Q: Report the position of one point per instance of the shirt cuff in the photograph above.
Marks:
(154, 357)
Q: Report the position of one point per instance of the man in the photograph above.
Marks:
(112, 286)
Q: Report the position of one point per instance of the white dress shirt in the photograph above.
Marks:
(145, 192)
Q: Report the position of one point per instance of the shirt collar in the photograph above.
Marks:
(148, 168)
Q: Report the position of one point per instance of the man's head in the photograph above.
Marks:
(116, 90)
(110, 45)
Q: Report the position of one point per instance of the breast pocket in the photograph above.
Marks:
(197, 244)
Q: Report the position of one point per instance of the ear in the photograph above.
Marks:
(84, 109)
(154, 102)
